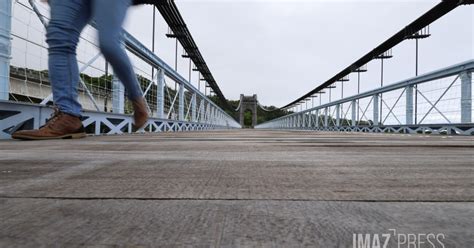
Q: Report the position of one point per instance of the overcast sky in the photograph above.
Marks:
(282, 49)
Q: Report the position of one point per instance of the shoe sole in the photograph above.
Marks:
(67, 136)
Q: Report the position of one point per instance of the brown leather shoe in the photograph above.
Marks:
(141, 112)
(59, 126)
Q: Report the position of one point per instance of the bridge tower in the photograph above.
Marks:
(248, 103)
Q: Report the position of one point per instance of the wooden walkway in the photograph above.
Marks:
(241, 188)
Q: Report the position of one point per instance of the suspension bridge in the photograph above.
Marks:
(331, 170)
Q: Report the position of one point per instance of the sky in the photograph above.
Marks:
(280, 50)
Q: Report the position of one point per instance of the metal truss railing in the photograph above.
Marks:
(445, 107)
(180, 109)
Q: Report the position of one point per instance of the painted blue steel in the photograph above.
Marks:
(137, 48)
(16, 115)
(140, 50)
(442, 73)
(461, 71)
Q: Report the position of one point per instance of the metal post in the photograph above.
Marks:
(326, 117)
(354, 114)
(416, 86)
(118, 96)
(153, 39)
(208, 113)
(213, 116)
(193, 108)
(160, 94)
(303, 120)
(416, 58)
(202, 116)
(466, 97)
(381, 96)
(376, 110)
(190, 70)
(181, 102)
(317, 118)
(176, 61)
(310, 117)
(338, 115)
(409, 105)
(358, 92)
(5, 47)
(342, 89)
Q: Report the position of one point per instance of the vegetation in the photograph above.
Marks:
(262, 115)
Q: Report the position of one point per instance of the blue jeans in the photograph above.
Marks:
(68, 19)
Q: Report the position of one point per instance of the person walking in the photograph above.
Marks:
(68, 19)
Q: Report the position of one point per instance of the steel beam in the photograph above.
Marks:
(438, 74)
(194, 108)
(466, 97)
(317, 118)
(354, 113)
(376, 109)
(181, 116)
(409, 105)
(160, 94)
(326, 116)
(118, 96)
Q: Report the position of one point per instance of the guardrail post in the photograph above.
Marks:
(354, 113)
(338, 115)
(409, 105)
(118, 96)
(181, 102)
(207, 108)
(310, 118)
(193, 108)
(216, 116)
(466, 97)
(326, 117)
(160, 94)
(303, 120)
(317, 118)
(211, 114)
(5, 47)
(376, 110)
(202, 110)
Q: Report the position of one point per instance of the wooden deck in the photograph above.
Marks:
(241, 188)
